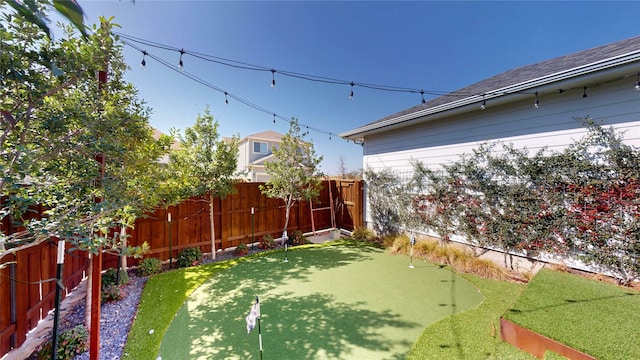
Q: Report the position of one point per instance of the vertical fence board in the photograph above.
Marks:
(7, 327)
(190, 227)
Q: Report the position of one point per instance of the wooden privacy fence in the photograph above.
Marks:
(235, 223)
(27, 289)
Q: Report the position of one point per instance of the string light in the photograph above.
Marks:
(170, 66)
(241, 65)
(352, 84)
(143, 63)
(273, 78)
(309, 77)
(226, 100)
(180, 63)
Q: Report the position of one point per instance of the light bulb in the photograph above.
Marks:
(273, 80)
(143, 63)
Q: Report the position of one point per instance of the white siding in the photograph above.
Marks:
(552, 125)
(243, 157)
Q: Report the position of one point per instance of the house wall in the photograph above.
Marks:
(255, 156)
(243, 157)
(554, 125)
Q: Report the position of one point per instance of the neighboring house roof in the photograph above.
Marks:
(262, 160)
(268, 135)
(156, 135)
(516, 81)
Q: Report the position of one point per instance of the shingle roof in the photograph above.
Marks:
(527, 73)
(266, 135)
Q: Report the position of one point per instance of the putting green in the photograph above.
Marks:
(330, 302)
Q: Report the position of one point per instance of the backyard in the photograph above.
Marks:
(351, 300)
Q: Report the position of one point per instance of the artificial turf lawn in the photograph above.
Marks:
(597, 318)
(330, 302)
(162, 296)
(475, 333)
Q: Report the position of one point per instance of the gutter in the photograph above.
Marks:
(580, 71)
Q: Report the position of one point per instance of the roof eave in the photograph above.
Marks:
(463, 104)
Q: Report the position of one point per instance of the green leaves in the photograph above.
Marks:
(294, 174)
(33, 12)
(205, 163)
(55, 125)
(71, 10)
(584, 200)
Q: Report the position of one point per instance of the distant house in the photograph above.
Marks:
(174, 146)
(254, 151)
(530, 106)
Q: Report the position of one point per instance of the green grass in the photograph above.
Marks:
(597, 318)
(475, 333)
(163, 295)
(332, 302)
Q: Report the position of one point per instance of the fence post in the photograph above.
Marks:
(59, 286)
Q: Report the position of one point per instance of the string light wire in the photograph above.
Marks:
(129, 40)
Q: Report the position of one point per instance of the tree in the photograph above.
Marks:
(342, 167)
(57, 116)
(294, 174)
(34, 13)
(206, 164)
(388, 198)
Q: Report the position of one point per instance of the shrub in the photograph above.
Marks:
(388, 240)
(70, 343)
(241, 249)
(362, 233)
(297, 238)
(149, 266)
(189, 257)
(400, 244)
(267, 242)
(111, 293)
(109, 277)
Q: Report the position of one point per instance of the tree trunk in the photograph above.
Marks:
(123, 244)
(289, 204)
(212, 223)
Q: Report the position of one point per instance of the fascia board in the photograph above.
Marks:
(462, 105)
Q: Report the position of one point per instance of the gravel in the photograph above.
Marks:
(116, 317)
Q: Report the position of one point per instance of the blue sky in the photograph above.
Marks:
(435, 46)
